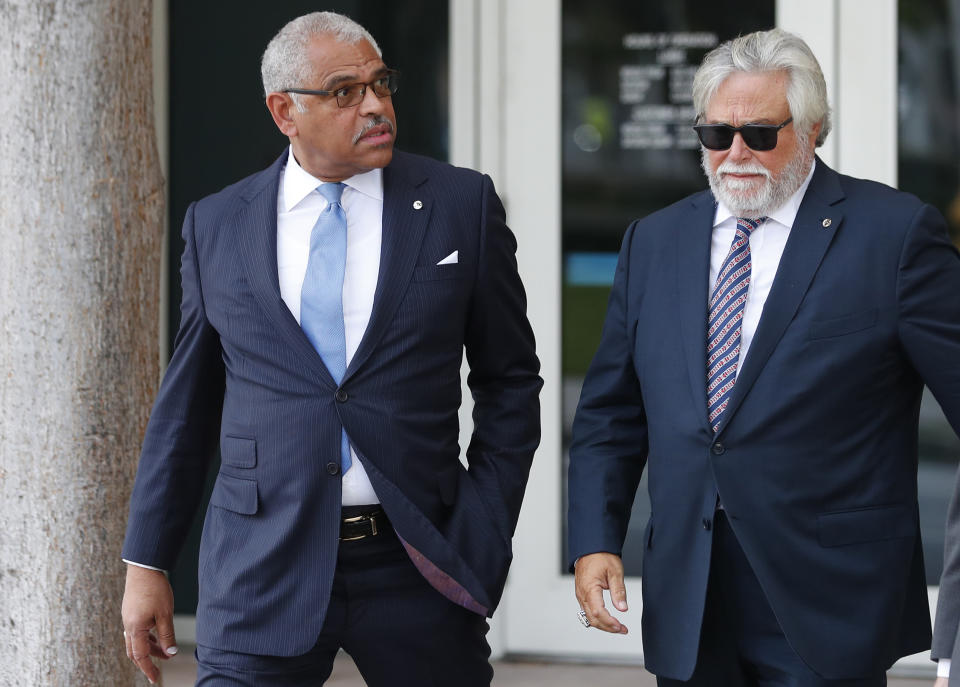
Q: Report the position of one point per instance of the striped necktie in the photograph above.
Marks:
(725, 322)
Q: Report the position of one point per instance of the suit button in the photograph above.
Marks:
(341, 396)
(718, 449)
(707, 524)
(333, 468)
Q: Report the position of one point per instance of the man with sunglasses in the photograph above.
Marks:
(764, 353)
(327, 305)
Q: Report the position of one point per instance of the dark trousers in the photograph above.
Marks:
(397, 628)
(741, 643)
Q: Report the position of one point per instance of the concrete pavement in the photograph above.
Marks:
(181, 672)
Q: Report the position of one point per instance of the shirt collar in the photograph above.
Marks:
(785, 214)
(298, 183)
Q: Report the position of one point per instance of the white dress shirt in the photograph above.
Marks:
(298, 207)
(766, 248)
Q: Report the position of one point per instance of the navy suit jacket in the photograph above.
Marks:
(244, 377)
(816, 462)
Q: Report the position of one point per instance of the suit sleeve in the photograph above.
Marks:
(928, 293)
(504, 370)
(184, 426)
(609, 447)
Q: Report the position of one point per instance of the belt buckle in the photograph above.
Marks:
(372, 519)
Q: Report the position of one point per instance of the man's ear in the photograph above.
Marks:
(281, 108)
(815, 132)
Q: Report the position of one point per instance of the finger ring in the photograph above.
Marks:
(582, 617)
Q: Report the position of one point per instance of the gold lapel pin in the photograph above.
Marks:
(827, 222)
(417, 204)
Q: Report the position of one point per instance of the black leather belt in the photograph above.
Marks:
(360, 522)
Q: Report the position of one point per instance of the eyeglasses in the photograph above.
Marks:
(755, 136)
(352, 94)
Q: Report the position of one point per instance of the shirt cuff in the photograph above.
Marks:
(943, 667)
(148, 567)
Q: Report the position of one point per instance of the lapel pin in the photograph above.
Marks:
(417, 204)
(827, 222)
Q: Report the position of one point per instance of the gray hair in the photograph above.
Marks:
(769, 51)
(285, 63)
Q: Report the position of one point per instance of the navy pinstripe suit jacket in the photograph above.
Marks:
(244, 376)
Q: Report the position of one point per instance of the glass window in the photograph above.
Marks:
(929, 166)
(628, 149)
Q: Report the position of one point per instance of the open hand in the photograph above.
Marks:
(594, 573)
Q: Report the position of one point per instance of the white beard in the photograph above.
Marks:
(743, 198)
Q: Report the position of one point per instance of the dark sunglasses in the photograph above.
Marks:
(755, 136)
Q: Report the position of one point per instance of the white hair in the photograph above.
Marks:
(286, 63)
(769, 51)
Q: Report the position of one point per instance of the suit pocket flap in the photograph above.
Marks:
(865, 525)
(235, 494)
(838, 326)
(238, 452)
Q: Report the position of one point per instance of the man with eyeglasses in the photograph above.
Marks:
(763, 357)
(327, 305)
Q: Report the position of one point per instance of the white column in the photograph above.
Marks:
(867, 89)
(815, 22)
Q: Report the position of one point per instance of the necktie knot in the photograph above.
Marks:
(749, 225)
(331, 192)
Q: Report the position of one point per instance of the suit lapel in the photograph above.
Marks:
(693, 274)
(407, 206)
(257, 237)
(808, 243)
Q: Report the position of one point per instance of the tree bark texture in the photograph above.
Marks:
(81, 199)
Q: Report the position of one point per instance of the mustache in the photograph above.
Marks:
(375, 121)
(744, 168)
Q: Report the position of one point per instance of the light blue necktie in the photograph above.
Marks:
(725, 322)
(321, 300)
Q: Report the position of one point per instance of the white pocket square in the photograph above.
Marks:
(451, 259)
